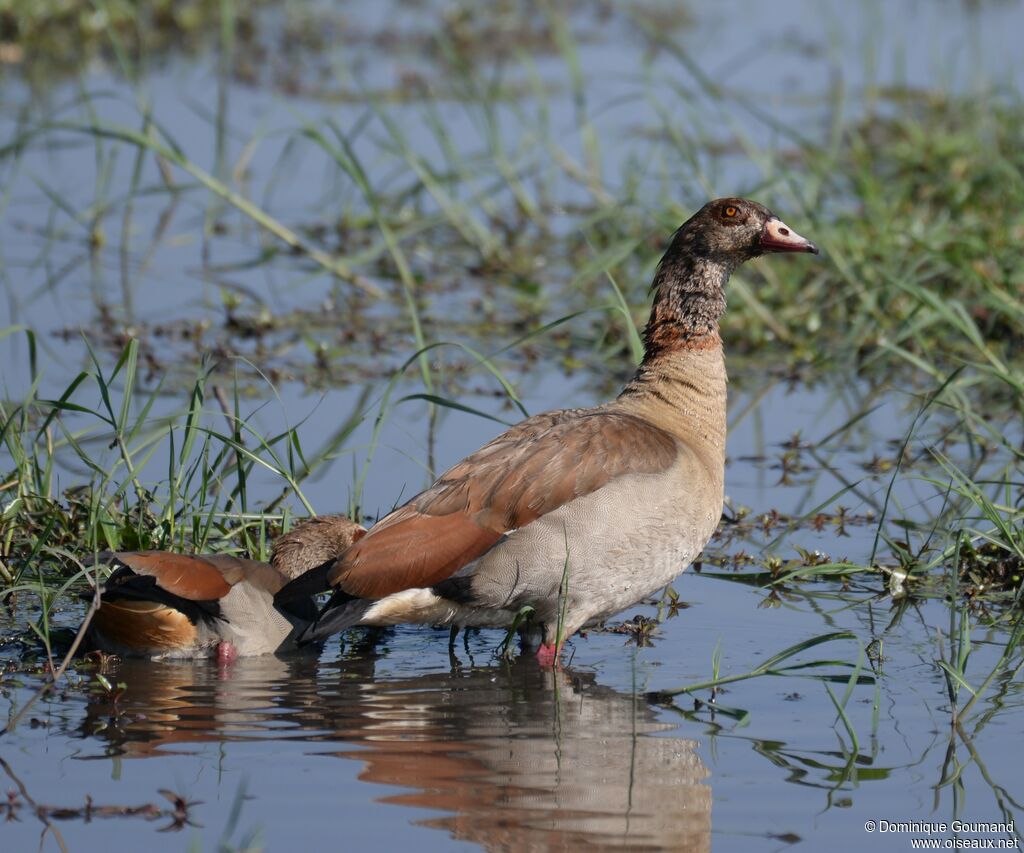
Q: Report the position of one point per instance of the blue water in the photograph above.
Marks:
(394, 741)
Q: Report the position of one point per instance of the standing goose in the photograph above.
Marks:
(577, 513)
(162, 605)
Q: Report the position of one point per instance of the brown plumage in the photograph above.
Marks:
(582, 512)
(535, 467)
(158, 604)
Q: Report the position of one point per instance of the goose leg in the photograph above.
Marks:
(226, 653)
(548, 655)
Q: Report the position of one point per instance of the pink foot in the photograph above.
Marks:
(226, 653)
(547, 655)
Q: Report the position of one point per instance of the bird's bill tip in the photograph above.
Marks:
(779, 237)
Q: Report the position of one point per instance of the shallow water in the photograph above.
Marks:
(395, 738)
(437, 746)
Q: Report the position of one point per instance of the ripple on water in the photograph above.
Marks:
(510, 755)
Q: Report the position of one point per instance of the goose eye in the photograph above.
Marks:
(730, 211)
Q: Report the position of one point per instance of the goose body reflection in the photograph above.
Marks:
(511, 755)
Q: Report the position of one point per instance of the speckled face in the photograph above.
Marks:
(733, 225)
(738, 227)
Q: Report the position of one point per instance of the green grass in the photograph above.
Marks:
(58, 37)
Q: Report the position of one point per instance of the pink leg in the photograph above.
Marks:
(226, 653)
(547, 655)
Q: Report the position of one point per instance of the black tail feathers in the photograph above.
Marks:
(305, 586)
(341, 612)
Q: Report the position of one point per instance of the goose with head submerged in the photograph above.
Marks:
(161, 605)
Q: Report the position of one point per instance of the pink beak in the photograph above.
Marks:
(779, 237)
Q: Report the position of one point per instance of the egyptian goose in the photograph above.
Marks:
(577, 513)
(162, 605)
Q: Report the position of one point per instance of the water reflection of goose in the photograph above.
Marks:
(516, 757)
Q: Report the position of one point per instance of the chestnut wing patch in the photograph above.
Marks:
(528, 471)
(191, 584)
(196, 578)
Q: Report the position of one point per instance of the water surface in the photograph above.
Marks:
(396, 739)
